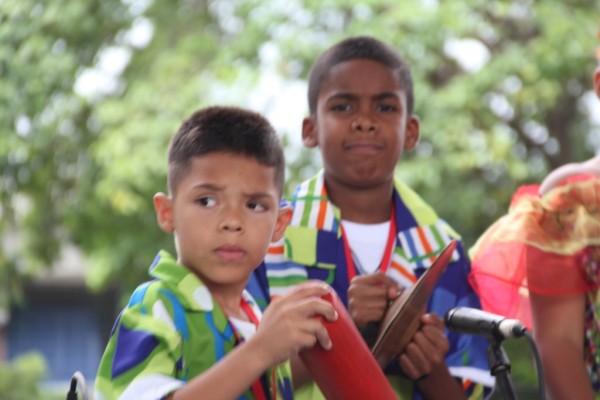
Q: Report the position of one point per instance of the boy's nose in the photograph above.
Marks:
(364, 124)
(231, 222)
(231, 225)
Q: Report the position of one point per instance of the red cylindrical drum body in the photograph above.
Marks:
(348, 371)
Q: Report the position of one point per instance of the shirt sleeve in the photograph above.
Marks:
(141, 359)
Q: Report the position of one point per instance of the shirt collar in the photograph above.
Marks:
(192, 292)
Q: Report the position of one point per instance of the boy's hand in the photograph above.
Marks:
(426, 350)
(369, 296)
(289, 324)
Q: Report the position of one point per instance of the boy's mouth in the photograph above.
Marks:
(363, 148)
(230, 252)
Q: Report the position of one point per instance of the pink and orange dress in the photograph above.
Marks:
(549, 245)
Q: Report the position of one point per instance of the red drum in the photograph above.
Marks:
(348, 371)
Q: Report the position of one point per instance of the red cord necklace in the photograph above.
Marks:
(387, 255)
(258, 389)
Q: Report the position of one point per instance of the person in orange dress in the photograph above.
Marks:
(540, 263)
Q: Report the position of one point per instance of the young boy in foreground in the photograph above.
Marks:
(358, 228)
(193, 332)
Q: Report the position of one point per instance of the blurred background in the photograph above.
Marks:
(92, 90)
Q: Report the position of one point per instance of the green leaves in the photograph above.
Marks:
(499, 91)
(44, 132)
(18, 379)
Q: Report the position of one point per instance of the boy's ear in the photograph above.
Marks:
(283, 220)
(411, 137)
(309, 134)
(163, 205)
(597, 82)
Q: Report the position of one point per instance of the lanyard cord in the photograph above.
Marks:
(258, 389)
(387, 255)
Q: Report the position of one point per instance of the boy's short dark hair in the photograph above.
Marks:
(359, 47)
(224, 129)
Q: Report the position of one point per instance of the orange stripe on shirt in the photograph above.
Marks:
(322, 210)
(275, 250)
(398, 267)
(425, 242)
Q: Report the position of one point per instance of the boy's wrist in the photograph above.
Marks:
(440, 384)
(258, 353)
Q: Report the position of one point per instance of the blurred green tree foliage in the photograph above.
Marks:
(18, 379)
(47, 172)
(91, 91)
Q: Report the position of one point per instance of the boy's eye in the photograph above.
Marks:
(386, 107)
(341, 107)
(207, 201)
(256, 206)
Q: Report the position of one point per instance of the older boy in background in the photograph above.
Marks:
(366, 233)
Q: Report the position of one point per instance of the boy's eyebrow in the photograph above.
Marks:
(385, 95)
(258, 195)
(214, 187)
(209, 186)
(341, 96)
(351, 96)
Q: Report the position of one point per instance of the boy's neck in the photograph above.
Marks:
(370, 205)
(229, 298)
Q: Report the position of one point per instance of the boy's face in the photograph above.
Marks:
(224, 214)
(361, 123)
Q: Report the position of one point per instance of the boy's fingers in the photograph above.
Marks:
(376, 286)
(377, 278)
(321, 307)
(307, 289)
(427, 348)
(368, 291)
(375, 311)
(433, 319)
(323, 337)
(376, 301)
(434, 337)
(307, 307)
(409, 367)
(394, 292)
(429, 344)
(416, 360)
(317, 333)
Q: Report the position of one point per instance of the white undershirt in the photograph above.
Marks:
(367, 242)
(245, 328)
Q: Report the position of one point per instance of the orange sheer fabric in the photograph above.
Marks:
(544, 244)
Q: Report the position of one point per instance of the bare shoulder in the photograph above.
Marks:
(591, 166)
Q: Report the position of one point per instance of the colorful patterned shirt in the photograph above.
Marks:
(170, 332)
(313, 248)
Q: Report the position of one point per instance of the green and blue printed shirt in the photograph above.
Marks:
(313, 248)
(170, 332)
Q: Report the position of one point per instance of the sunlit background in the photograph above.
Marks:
(92, 90)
